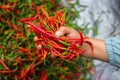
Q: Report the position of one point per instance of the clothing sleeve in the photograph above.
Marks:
(113, 50)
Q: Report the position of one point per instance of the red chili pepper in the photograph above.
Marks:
(5, 8)
(6, 21)
(6, 71)
(56, 53)
(30, 19)
(78, 74)
(26, 51)
(19, 61)
(3, 64)
(44, 11)
(44, 75)
(90, 46)
(32, 70)
(81, 37)
(71, 57)
(25, 72)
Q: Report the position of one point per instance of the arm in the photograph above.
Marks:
(105, 50)
(99, 49)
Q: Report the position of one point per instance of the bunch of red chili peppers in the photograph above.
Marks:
(19, 58)
(62, 47)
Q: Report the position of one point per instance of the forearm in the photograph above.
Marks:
(98, 47)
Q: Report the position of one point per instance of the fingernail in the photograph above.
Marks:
(57, 33)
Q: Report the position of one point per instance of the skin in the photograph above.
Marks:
(99, 47)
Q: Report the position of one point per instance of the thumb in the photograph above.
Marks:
(62, 31)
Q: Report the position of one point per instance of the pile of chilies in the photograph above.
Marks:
(63, 47)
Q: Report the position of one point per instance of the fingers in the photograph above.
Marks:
(38, 46)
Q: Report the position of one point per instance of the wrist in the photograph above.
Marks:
(88, 53)
(98, 47)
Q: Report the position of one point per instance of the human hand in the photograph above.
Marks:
(69, 32)
(97, 44)
(62, 31)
